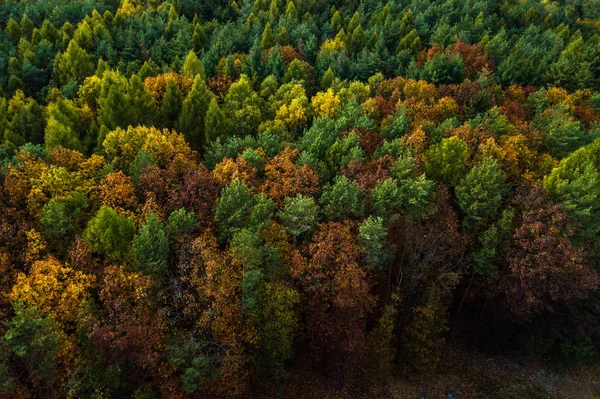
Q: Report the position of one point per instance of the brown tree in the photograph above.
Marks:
(546, 269)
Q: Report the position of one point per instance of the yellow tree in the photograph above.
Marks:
(55, 289)
(325, 103)
(121, 147)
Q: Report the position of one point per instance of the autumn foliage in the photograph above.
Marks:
(247, 199)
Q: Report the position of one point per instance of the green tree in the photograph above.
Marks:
(410, 42)
(113, 102)
(395, 126)
(49, 32)
(244, 107)
(110, 233)
(269, 86)
(27, 27)
(233, 208)
(27, 121)
(192, 66)
(372, 240)
(255, 65)
(444, 69)
(215, 125)
(336, 21)
(423, 338)
(354, 22)
(142, 160)
(180, 223)
(172, 19)
(13, 30)
(145, 71)
(74, 64)
(197, 360)
(494, 243)
(446, 162)
(199, 38)
(58, 134)
(83, 36)
(4, 118)
(276, 318)
(344, 150)
(192, 121)
(299, 215)
(575, 184)
(143, 107)
(295, 71)
(68, 126)
(572, 70)
(170, 107)
(151, 247)
(562, 133)
(409, 196)
(37, 341)
(343, 199)
(290, 11)
(480, 194)
(358, 40)
(61, 218)
(275, 63)
(273, 11)
(328, 79)
(267, 41)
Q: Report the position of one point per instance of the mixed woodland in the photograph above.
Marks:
(204, 199)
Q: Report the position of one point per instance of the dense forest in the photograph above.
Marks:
(221, 199)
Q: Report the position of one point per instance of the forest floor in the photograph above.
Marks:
(464, 375)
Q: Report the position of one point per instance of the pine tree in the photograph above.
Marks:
(354, 22)
(290, 11)
(75, 63)
(27, 122)
(255, 65)
(336, 21)
(328, 79)
(170, 107)
(143, 105)
(192, 121)
(83, 36)
(193, 67)
(145, 71)
(267, 41)
(13, 30)
(151, 247)
(113, 101)
(215, 124)
(273, 11)
(27, 27)
(49, 32)
(199, 38)
(171, 21)
(358, 39)
(59, 134)
(275, 64)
